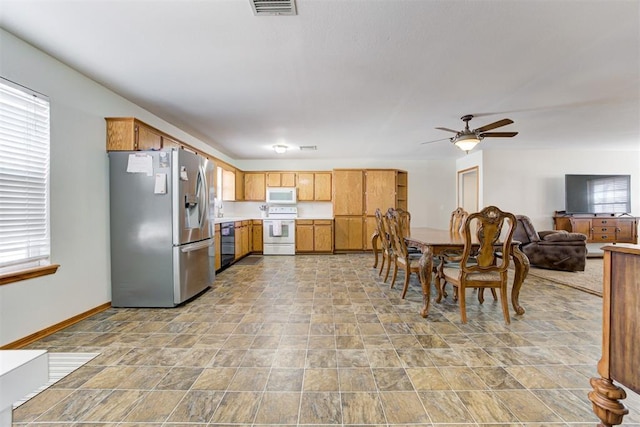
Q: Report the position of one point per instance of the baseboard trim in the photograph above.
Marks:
(22, 342)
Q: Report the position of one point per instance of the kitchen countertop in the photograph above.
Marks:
(248, 218)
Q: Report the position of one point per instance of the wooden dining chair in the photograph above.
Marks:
(401, 255)
(456, 223)
(405, 223)
(493, 235)
(457, 220)
(383, 236)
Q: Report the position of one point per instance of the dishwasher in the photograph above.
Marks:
(227, 244)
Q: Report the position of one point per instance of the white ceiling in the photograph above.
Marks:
(358, 78)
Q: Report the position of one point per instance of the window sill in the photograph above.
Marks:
(29, 273)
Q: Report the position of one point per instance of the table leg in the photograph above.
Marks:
(521, 264)
(424, 273)
(605, 400)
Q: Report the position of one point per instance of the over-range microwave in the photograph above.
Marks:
(282, 195)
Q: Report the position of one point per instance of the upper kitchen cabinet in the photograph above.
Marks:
(380, 189)
(348, 191)
(254, 186)
(322, 186)
(168, 142)
(240, 185)
(281, 179)
(314, 186)
(129, 134)
(228, 184)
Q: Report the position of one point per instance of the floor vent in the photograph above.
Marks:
(273, 7)
(308, 147)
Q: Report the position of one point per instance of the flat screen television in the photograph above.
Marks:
(597, 194)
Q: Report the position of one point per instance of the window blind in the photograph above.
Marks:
(24, 178)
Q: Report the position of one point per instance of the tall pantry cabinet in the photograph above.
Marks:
(357, 193)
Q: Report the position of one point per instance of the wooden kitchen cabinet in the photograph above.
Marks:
(314, 186)
(322, 186)
(323, 235)
(168, 142)
(241, 238)
(304, 235)
(130, 134)
(281, 179)
(348, 192)
(256, 232)
(314, 235)
(348, 233)
(255, 186)
(240, 185)
(359, 193)
(380, 190)
(402, 190)
(228, 185)
(306, 184)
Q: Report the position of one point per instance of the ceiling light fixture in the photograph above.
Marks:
(466, 142)
(280, 149)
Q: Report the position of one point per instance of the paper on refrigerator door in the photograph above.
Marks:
(160, 184)
(140, 163)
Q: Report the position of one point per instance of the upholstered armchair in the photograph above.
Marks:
(553, 249)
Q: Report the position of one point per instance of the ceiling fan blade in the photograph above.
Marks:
(449, 130)
(494, 125)
(436, 140)
(498, 134)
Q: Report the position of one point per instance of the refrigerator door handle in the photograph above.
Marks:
(201, 187)
(196, 246)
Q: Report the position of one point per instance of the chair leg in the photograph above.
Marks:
(440, 283)
(375, 253)
(461, 293)
(505, 304)
(407, 276)
(481, 295)
(395, 273)
(493, 292)
(381, 264)
(386, 275)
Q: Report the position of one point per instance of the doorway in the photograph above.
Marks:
(468, 189)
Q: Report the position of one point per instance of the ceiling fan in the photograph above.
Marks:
(467, 139)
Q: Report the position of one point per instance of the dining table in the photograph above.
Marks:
(433, 242)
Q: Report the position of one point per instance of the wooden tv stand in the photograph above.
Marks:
(599, 228)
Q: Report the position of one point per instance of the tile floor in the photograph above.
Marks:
(321, 340)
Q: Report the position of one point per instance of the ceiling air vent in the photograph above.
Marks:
(308, 147)
(273, 7)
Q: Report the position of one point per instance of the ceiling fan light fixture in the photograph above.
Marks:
(466, 142)
(280, 149)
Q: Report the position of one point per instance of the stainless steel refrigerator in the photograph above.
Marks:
(162, 234)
